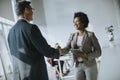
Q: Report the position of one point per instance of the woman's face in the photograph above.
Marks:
(77, 23)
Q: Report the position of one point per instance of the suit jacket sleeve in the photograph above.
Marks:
(41, 44)
(96, 52)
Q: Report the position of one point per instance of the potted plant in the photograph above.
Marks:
(110, 30)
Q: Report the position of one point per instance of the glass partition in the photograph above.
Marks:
(5, 56)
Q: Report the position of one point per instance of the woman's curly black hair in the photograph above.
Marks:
(83, 18)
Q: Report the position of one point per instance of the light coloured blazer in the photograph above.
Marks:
(90, 45)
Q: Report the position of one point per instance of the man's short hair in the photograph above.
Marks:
(20, 7)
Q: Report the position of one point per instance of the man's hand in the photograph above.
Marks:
(49, 60)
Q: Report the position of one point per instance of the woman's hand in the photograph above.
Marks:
(83, 55)
(79, 53)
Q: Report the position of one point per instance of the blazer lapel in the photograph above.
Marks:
(75, 40)
(84, 39)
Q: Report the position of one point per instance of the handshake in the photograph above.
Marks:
(57, 46)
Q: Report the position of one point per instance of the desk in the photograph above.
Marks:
(65, 58)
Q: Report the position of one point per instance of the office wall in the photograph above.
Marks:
(55, 17)
(109, 65)
(6, 9)
(39, 14)
(59, 18)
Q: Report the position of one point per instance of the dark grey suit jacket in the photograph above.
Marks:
(90, 45)
(28, 47)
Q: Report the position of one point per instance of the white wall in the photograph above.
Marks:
(38, 13)
(6, 9)
(109, 66)
(101, 13)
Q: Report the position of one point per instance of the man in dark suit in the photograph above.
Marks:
(28, 47)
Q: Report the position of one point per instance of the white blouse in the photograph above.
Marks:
(79, 44)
